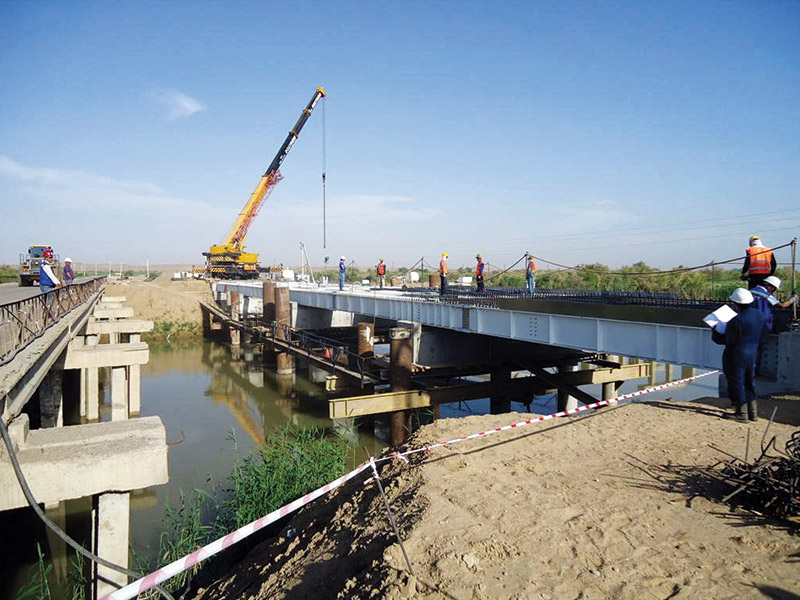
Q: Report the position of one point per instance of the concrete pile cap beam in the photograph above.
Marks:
(113, 299)
(63, 463)
(105, 355)
(112, 313)
(122, 326)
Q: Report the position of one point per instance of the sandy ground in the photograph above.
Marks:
(162, 299)
(605, 506)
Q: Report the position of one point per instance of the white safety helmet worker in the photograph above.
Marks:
(773, 281)
(68, 259)
(741, 296)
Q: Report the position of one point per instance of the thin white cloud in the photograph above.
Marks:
(68, 181)
(178, 105)
(99, 214)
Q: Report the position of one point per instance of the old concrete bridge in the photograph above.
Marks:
(52, 349)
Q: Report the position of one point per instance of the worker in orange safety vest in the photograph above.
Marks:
(381, 270)
(759, 263)
(530, 273)
(479, 271)
(443, 274)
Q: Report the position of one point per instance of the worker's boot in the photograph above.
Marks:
(752, 410)
(738, 413)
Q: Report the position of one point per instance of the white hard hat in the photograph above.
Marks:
(741, 296)
(68, 259)
(773, 281)
(342, 258)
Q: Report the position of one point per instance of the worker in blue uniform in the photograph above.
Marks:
(47, 278)
(740, 337)
(764, 300)
(342, 272)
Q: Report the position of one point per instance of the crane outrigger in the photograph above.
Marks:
(228, 260)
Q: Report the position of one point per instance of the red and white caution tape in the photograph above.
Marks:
(543, 418)
(184, 564)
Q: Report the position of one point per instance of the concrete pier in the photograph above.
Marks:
(234, 332)
(500, 402)
(400, 363)
(112, 524)
(565, 400)
(283, 316)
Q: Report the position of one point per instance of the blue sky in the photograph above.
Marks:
(611, 132)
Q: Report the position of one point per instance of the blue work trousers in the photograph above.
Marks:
(740, 373)
(443, 284)
(531, 280)
(341, 280)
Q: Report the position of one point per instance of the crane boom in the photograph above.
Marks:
(229, 259)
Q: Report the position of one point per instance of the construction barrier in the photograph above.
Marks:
(187, 562)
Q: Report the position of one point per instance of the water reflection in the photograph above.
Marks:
(214, 403)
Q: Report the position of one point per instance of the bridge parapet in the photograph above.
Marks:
(22, 321)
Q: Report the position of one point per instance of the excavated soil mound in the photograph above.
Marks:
(611, 505)
(162, 300)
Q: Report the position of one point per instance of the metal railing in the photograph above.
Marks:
(459, 295)
(22, 321)
(330, 351)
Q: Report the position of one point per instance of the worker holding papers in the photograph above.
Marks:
(739, 331)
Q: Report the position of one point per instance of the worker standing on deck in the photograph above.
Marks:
(530, 273)
(443, 274)
(381, 270)
(342, 271)
(759, 263)
(479, 271)
(764, 300)
(69, 275)
(47, 279)
(740, 338)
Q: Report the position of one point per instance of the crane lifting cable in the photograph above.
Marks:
(228, 259)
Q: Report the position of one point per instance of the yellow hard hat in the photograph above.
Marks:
(755, 237)
(445, 254)
(478, 256)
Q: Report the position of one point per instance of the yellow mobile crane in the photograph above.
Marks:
(228, 260)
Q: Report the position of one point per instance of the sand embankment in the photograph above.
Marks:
(606, 506)
(165, 302)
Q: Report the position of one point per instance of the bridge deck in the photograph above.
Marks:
(673, 333)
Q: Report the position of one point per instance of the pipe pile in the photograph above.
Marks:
(768, 485)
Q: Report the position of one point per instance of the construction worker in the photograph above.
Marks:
(443, 274)
(530, 273)
(479, 271)
(764, 300)
(759, 263)
(47, 279)
(381, 270)
(342, 271)
(740, 338)
(67, 272)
